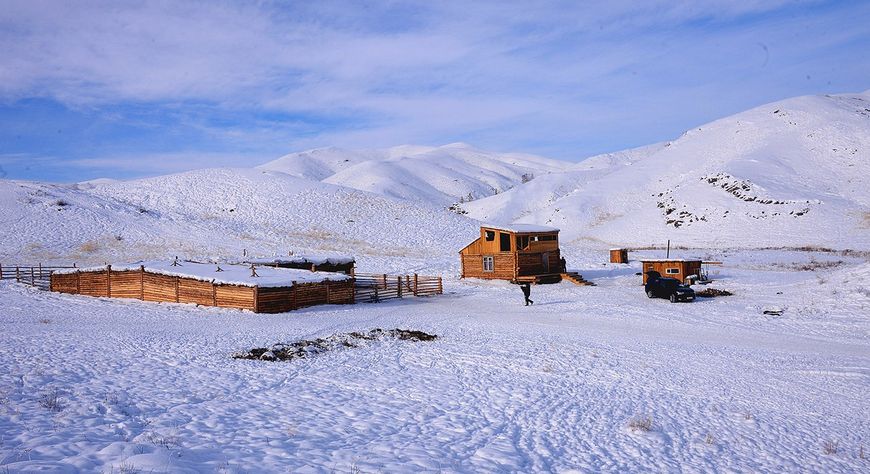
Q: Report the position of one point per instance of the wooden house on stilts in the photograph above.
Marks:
(517, 253)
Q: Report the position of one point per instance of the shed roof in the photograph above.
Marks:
(301, 259)
(231, 274)
(666, 260)
(521, 228)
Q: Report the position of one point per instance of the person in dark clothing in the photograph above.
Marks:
(564, 264)
(527, 290)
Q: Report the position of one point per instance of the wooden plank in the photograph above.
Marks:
(234, 296)
(126, 284)
(195, 291)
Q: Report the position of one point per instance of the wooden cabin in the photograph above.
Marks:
(679, 268)
(517, 253)
(618, 256)
(271, 290)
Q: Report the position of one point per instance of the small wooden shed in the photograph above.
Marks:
(618, 255)
(679, 268)
(307, 262)
(272, 290)
(517, 253)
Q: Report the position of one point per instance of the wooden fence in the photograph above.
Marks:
(38, 276)
(144, 285)
(373, 287)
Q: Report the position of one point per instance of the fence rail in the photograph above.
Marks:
(38, 276)
(373, 287)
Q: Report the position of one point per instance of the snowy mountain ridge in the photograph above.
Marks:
(426, 175)
(791, 173)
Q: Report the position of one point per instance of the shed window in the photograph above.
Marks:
(672, 271)
(488, 265)
(489, 235)
(504, 242)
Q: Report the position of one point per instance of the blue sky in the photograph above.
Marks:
(125, 89)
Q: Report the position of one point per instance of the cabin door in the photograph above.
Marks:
(545, 261)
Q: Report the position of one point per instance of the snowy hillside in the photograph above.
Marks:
(793, 172)
(215, 212)
(440, 176)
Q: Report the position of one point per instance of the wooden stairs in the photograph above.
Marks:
(545, 278)
(576, 279)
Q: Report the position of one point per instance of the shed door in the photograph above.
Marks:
(545, 261)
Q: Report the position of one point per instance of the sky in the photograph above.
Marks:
(92, 89)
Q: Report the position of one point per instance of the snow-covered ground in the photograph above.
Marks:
(145, 387)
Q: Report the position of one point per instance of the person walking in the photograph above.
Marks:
(527, 290)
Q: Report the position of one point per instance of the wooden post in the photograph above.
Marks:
(327, 291)
(440, 287)
(385, 281)
(416, 284)
(78, 282)
(109, 281)
(142, 282)
(17, 273)
(213, 293)
(256, 299)
(176, 289)
(1, 271)
(32, 277)
(399, 286)
(293, 296)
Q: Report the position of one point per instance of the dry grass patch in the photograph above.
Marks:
(641, 424)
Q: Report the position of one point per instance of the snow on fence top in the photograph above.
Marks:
(521, 228)
(301, 259)
(230, 274)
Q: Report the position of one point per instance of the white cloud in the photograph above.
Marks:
(431, 72)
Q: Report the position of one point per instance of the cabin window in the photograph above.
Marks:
(546, 237)
(523, 242)
(489, 235)
(488, 264)
(504, 241)
(672, 271)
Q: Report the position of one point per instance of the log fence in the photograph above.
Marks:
(38, 276)
(374, 287)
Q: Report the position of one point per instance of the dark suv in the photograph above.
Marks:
(669, 288)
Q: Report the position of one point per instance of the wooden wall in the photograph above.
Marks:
(139, 284)
(504, 266)
(687, 268)
(533, 263)
(619, 256)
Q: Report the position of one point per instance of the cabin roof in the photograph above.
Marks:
(666, 260)
(521, 228)
(232, 274)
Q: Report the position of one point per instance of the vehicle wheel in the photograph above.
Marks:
(673, 298)
(649, 294)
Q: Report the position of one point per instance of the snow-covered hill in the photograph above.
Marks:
(793, 172)
(215, 212)
(440, 176)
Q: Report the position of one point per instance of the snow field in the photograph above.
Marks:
(552, 387)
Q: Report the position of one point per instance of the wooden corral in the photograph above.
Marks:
(618, 256)
(678, 268)
(156, 286)
(516, 253)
